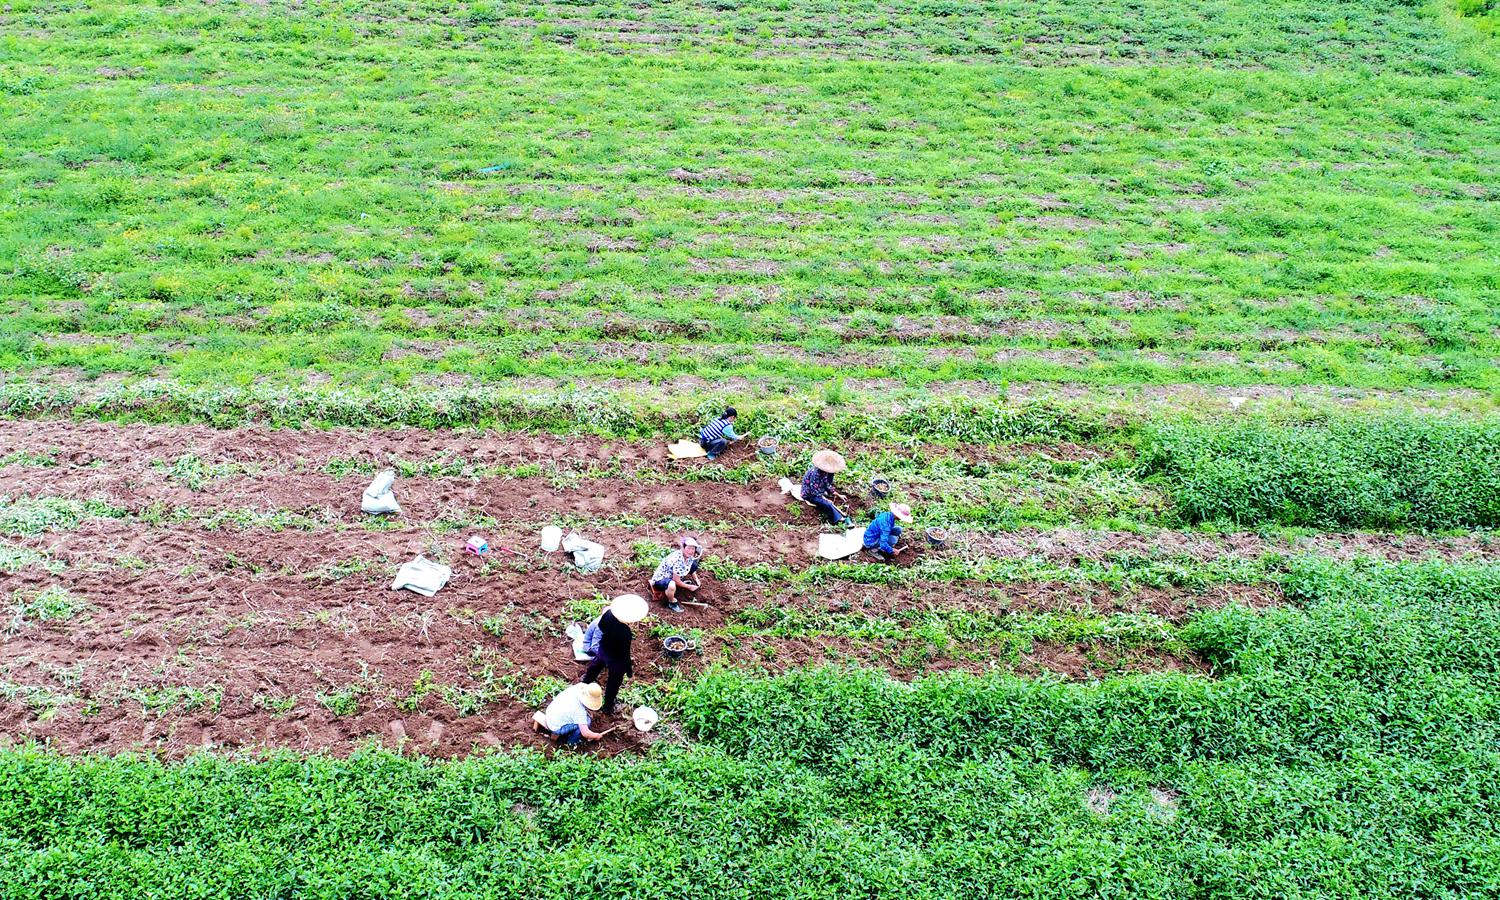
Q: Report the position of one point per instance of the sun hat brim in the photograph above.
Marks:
(828, 461)
(629, 608)
(902, 512)
(592, 699)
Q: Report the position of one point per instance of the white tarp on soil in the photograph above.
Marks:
(838, 546)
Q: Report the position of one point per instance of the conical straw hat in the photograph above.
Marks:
(828, 461)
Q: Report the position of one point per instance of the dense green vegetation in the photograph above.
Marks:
(393, 194)
(1348, 746)
(903, 228)
(1374, 473)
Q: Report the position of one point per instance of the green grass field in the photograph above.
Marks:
(467, 194)
(1183, 317)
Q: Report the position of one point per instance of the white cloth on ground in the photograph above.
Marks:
(838, 546)
(686, 450)
(423, 576)
(587, 555)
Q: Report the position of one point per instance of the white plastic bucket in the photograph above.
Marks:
(551, 538)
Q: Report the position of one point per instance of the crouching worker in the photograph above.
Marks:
(614, 645)
(717, 435)
(817, 485)
(567, 716)
(884, 535)
(676, 577)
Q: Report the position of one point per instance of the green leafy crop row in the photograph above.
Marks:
(1422, 472)
(1347, 750)
(1380, 657)
(599, 412)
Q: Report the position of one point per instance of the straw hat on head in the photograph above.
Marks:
(592, 696)
(828, 461)
(690, 541)
(901, 511)
(629, 608)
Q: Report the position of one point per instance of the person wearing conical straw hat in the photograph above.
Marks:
(817, 484)
(567, 716)
(615, 637)
(883, 535)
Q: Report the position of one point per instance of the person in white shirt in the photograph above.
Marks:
(676, 575)
(567, 716)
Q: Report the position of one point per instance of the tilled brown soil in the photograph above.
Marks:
(245, 637)
(114, 462)
(259, 613)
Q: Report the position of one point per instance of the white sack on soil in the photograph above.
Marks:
(838, 546)
(587, 555)
(579, 637)
(379, 498)
(422, 576)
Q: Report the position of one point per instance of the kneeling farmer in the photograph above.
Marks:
(567, 716)
(675, 576)
(817, 484)
(716, 435)
(883, 534)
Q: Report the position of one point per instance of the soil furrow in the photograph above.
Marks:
(176, 613)
(129, 467)
(193, 625)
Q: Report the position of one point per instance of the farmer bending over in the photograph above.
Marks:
(883, 534)
(817, 484)
(614, 645)
(567, 716)
(676, 575)
(716, 435)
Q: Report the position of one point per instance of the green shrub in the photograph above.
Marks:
(1400, 471)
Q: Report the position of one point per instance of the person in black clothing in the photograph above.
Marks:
(614, 645)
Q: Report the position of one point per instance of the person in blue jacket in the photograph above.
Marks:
(883, 535)
(716, 435)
